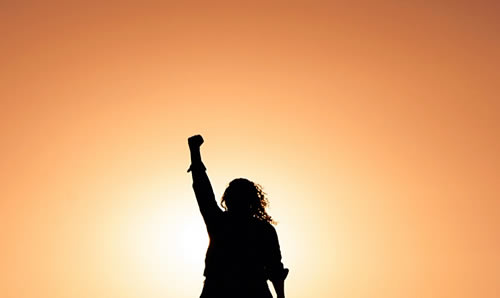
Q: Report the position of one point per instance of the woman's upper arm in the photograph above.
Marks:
(275, 267)
(205, 195)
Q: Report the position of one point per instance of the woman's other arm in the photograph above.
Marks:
(279, 287)
(277, 272)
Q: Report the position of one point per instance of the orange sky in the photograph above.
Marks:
(372, 126)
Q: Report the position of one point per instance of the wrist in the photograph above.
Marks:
(194, 147)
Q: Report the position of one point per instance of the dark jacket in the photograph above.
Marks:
(243, 252)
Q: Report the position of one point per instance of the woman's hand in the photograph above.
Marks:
(194, 147)
(195, 142)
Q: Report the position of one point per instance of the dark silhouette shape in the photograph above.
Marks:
(244, 251)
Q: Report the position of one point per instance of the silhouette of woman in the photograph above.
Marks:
(244, 251)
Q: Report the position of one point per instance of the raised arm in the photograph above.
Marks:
(201, 184)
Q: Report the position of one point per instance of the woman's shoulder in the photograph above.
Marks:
(264, 225)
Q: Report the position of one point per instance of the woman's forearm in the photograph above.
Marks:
(201, 183)
(279, 287)
(195, 155)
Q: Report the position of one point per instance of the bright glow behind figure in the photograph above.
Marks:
(373, 127)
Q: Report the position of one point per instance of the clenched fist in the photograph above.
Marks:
(195, 141)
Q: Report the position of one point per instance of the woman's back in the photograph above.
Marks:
(244, 251)
(242, 248)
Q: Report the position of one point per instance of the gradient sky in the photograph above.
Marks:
(373, 126)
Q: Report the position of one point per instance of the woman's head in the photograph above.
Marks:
(245, 198)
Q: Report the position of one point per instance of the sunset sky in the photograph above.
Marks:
(373, 126)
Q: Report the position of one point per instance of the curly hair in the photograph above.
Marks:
(245, 196)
